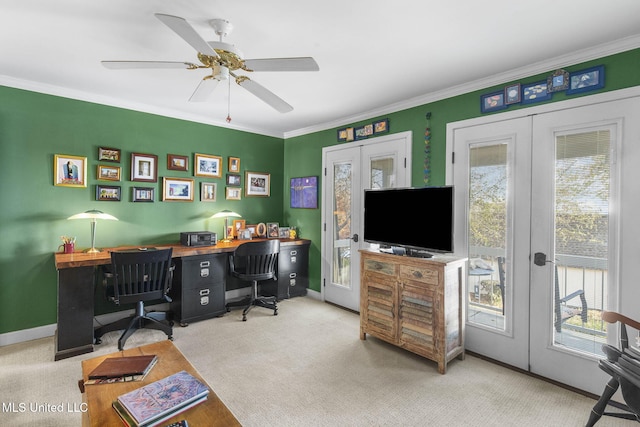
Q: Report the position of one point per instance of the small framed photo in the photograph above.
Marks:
(177, 189)
(304, 192)
(512, 94)
(238, 224)
(345, 135)
(273, 230)
(69, 171)
(257, 184)
(109, 154)
(143, 194)
(108, 193)
(244, 234)
(177, 163)
(234, 164)
(586, 80)
(492, 102)
(109, 173)
(233, 193)
(284, 232)
(233, 179)
(558, 81)
(206, 165)
(364, 131)
(252, 229)
(381, 126)
(208, 191)
(144, 167)
(535, 92)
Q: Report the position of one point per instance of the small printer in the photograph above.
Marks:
(198, 238)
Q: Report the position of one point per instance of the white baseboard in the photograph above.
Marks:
(23, 335)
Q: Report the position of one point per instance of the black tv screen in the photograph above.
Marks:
(412, 218)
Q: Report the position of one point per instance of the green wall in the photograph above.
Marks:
(303, 154)
(34, 127)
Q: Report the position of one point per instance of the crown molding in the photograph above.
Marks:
(573, 58)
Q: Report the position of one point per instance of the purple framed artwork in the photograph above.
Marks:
(304, 192)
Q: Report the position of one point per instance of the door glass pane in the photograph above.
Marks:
(582, 184)
(382, 173)
(342, 183)
(487, 235)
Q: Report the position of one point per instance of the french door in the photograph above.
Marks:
(349, 169)
(541, 201)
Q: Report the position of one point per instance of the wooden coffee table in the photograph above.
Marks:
(99, 398)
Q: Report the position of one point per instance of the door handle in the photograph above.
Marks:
(540, 259)
(355, 238)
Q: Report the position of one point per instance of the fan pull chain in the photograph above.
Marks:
(229, 103)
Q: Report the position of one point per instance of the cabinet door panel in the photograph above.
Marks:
(416, 317)
(379, 309)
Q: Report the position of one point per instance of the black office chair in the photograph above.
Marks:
(135, 277)
(255, 261)
(623, 364)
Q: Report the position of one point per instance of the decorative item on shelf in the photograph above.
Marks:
(261, 230)
(226, 214)
(586, 80)
(94, 215)
(273, 230)
(68, 244)
(558, 81)
(536, 92)
(292, 233)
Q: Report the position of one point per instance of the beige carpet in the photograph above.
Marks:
(305, 367)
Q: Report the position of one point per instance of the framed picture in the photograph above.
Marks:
(69, 171)
(304, 192)
(284, 232)
(108, 193)
(177, 163)
(109, 173)
(238, 224)
(364, 131)
(381, 126)
(177, 189)
(512, 94)
(206, 165)
(586, 80)
(143, 194)
(234, 164)
(558, 81)
(233, 193)
(144, 167)
(273, 230)
(345, 135)
(233, 179)
(261, 230)
(535, 92)
(109, 154)
(257, 184)
(208, 191)
(252, 229)
(492, 102)
(244, 234)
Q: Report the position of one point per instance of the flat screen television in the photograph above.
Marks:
(415, 221)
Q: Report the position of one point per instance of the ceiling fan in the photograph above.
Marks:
(224, 60)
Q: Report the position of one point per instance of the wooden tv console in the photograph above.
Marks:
(414, 303)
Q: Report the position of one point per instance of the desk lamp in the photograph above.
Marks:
(226, 214)
(94, 216)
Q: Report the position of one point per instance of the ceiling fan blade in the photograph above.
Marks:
(124, 65)
(282, 64)
(204, 90)
(182, 28)
(264, 94)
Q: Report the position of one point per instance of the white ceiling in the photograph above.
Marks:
(375, 56)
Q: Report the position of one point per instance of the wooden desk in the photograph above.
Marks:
(76, 274)
(99, 398)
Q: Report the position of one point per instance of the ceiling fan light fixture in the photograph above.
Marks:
(221, 73)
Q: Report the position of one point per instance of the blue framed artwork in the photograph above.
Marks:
(304, 192)
(586, 80)
(512, 94)
(492, 102)
(535, 92)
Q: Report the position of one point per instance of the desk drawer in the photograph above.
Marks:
(198, 271)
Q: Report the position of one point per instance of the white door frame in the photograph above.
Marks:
(408, 142)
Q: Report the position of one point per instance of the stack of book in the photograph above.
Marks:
(121, 369)
(156, 402)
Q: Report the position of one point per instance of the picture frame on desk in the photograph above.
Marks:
(273, 230)
(238, 224)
